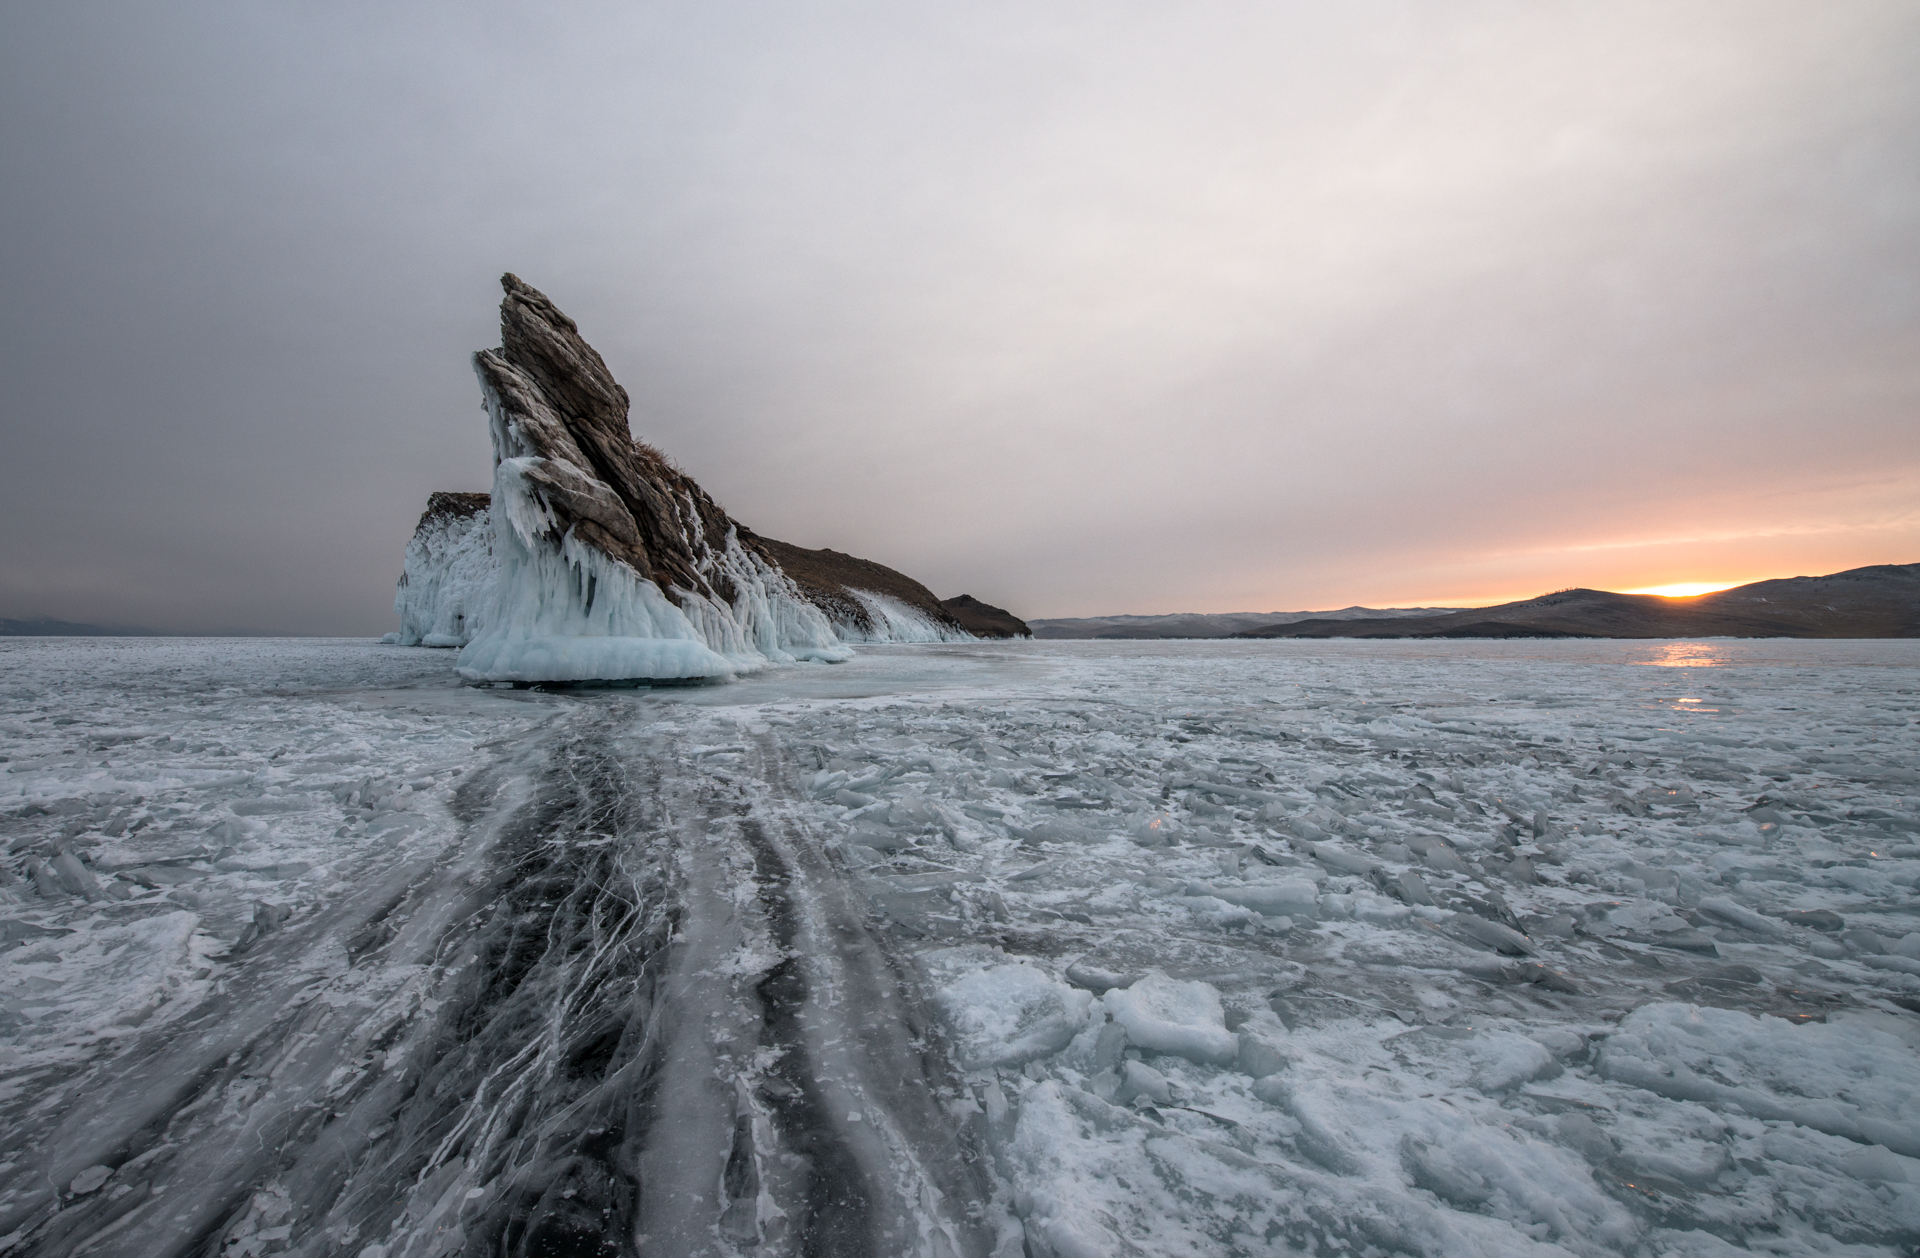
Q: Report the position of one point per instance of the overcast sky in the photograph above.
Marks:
(1081, 308)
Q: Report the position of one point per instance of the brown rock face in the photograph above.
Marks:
(443, 506)
(559, 409)
(558, 397)
(984, 620)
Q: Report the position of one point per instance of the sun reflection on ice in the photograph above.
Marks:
(1687, 655)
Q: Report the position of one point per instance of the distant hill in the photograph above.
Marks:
(1203, 625)
(1882, 601)
(43, 627)
(46, 627)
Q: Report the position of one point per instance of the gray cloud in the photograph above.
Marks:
(1077, 307)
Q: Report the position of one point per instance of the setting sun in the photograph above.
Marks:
(1684, 589)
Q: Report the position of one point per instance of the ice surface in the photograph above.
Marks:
(570, 657)
(1449, 900)
(1055, 948)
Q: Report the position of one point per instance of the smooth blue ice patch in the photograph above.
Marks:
(558, 657)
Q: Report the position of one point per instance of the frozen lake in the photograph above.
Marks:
(1057, 948)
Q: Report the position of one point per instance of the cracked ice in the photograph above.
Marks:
(1057, 948)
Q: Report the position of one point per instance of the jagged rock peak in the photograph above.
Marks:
(599, 560)
(559, 404)
(537, 335)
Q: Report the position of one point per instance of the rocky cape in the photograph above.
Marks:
(1205, 624)
(1882, 601)
(984, 620)
(595, 559)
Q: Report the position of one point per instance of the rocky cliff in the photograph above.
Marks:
(448, 580)
(596, 559)
(984, 620)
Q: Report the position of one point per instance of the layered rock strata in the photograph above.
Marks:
(598, 560)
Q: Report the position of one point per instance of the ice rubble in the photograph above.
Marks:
(1009, 1014)
(1446, 950)
(1164, 1015)
(185, 798)
(1211, 926)
(1851, 1080)
(600, 561)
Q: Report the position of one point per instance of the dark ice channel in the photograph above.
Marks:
(632, 981)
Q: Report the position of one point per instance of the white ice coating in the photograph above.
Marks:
(769, 617)
(448, 582)
(568, 612)
(894, 621)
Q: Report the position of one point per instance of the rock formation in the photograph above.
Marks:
(984, 620)
(1206, 624)
(448, 582)
(598, 560)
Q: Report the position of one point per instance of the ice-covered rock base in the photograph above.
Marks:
(448, 584)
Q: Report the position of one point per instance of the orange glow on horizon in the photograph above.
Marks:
(1677, 589)
(1685, 589)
